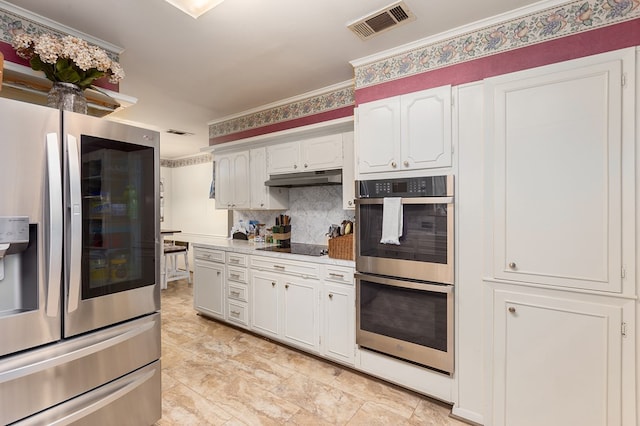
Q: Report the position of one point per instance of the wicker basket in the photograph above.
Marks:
(341, 247)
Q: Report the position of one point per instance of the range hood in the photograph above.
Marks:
(321, 177)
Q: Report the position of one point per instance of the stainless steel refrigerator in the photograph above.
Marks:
(79, 272)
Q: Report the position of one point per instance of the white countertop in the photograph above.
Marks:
(246, 247)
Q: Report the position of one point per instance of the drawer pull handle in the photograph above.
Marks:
(235, 314)
(280, 267)
(234, 260)
(236, 276)
(336, 275)
(235, 293)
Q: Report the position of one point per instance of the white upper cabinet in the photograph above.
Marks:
(240, 177)
(348, 172)
(320, 153)
(232, 176)
(264, 197)
(283, 158)
(555, 138)
(407, 132)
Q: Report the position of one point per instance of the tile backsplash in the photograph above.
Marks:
(312, 210)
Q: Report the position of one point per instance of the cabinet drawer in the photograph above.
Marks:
(237, 274)
(338, 274)
(235, 259)
(237, 312)
(208, 255)
(237, 292)
(302, 269)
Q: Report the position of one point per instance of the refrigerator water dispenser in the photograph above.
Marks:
(14, 237)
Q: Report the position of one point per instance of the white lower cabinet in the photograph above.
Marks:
(265, 303)
(285, 306)
(237, 291)
(338, 315)
(557, 358)
(300, 312)
(208, 288)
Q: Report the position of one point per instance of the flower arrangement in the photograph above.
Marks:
(67, 59)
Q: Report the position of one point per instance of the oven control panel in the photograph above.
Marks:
(428, 186)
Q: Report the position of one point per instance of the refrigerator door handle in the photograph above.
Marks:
(75, 223)
(54, 267)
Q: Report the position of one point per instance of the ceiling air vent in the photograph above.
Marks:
(383, 20)
(179, 132)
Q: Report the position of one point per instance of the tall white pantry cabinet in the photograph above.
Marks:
(560, 243)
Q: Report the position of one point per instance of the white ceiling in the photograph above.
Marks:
(243, 54)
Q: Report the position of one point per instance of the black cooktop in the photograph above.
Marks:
(298, 248)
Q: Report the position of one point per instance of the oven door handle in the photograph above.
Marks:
(415, 200)
(436, 288)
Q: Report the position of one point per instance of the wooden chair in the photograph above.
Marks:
(171, 272)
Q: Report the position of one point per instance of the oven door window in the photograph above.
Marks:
(118, 208)
(410, 315)
(424, 233)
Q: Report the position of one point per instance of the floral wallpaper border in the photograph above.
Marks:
(12, 24)
(552, 23)
(190, 161)
(313, 105)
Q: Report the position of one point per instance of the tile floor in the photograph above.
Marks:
(213, 374)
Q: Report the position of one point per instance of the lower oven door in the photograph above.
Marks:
(406, 319)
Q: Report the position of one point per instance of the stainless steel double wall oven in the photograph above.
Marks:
(405, 291)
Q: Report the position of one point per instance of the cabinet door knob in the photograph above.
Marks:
(331, 296)
(393, 164)
(512, 309)
(295, 166)
(350, 203)
(406, 163)
(286, 286)
(512, 265)
(306, 165)
(273, 284)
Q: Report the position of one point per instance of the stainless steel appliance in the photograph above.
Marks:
(425, 251)
(404, 289)
(79, 276)
(316, 178)
(298, 248)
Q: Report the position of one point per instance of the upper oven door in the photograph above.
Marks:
(426, 246)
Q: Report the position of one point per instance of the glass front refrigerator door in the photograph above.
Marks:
(118, 228)
(111, 248)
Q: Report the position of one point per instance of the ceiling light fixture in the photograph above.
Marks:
(194, 8)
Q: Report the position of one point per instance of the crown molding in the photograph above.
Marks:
(58, 27)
